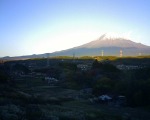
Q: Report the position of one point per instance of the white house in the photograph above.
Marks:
(105, 97)
(51, 80)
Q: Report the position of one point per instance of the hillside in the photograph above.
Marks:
(110, 46)
(109, 41)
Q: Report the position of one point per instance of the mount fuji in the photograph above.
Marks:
(109, 44)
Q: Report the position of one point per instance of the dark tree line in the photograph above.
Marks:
(103, 78)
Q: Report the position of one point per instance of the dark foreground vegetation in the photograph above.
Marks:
(86, 88)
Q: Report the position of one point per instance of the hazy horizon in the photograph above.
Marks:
(35, 27)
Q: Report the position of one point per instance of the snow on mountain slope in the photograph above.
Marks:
(112, 41)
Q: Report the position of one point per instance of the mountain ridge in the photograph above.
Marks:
(104, 41)
(111, 46)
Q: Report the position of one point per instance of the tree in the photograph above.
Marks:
(3, 77)
(96, 64)
(20, 67)
(103, 86)
(3, 74)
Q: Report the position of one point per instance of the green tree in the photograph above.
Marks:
(3, 77)
(20, 67)
(103, 86)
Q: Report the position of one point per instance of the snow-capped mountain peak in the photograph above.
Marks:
(113, 40)
(114, 36)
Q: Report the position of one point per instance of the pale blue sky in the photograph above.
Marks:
(41, 26)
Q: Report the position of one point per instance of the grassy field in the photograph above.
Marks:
(33, 98)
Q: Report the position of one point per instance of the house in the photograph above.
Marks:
(51, 80)
(86, 91)
(105, 98)
(116, 101)
(120, 101)
(128, 67)
(83, 67)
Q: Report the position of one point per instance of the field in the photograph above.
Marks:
(29, 96)
(35, 99)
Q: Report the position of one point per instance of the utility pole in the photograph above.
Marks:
(102, 53)
(121, 53)
(47, 59)
(73, 57)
